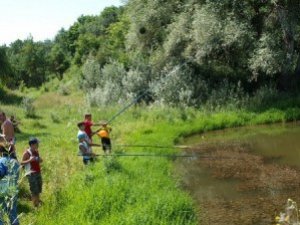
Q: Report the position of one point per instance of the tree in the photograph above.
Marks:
(5, 69)
(29, 61)
(58, 61)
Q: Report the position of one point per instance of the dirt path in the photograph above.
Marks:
(263, 186)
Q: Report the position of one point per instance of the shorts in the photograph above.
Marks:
(106, 144)
(35, 183)
(86, 161)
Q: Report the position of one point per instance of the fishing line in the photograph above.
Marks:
(154, 146)
(194, 156)
(135, 100)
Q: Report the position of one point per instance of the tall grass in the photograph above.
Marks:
(119, 190)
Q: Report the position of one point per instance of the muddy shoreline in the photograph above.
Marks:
(262, 186)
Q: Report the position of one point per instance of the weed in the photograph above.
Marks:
(54, 117)
(28, 107)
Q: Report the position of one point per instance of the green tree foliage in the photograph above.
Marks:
(149, 20)
(5, 69)
(246, 43)
(113, 45)
(58, 60)
(277, 52)
(93, 35)
(183, 51)
(33, 63)
(29, 62)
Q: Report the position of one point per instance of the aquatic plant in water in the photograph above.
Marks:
(290, 216)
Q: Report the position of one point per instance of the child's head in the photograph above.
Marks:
(33, 142)
(88, 116)
(81, 125)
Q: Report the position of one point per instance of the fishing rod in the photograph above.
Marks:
(135, 100)
(146, 155)
(195, 155)
(154, 146)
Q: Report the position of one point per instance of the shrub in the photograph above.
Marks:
(174, 88)
(28, 107)
(226, 95)
(91, 74)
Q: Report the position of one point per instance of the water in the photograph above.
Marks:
(245, 175)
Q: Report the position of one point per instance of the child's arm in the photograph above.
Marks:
(83, 150)
(27, 159)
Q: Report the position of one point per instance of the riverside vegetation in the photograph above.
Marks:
(117, 190)
(205, 65)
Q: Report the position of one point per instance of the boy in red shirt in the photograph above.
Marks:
(88, 123)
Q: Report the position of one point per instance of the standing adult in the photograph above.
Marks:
(31, 160)
(9, 175)
(7, 128)
(8, 133)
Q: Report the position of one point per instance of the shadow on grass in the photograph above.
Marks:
(9, 98)
(25, 136)
(33, 116)
(24, 199)
(23, 208)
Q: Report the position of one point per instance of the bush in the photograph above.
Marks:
(28, 107)
(264, 98)
(91, 74)
(226, 95)
(116, 86)
(174, 88)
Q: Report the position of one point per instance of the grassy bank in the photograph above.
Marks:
(119, 190)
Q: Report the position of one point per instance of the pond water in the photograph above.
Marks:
(243, 175)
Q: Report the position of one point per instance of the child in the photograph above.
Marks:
(85, 144)
(31, 160)
(88, 123)
(84, 149)
(103, 133)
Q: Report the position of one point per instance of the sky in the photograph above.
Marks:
(42, 19)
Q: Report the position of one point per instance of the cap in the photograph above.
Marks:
(33, 141)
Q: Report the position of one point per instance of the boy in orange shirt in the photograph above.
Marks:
(103, 133)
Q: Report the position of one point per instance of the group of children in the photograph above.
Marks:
(85, 135)
(9, 165)
(9, 176)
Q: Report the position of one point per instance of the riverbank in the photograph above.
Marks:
(132, 190)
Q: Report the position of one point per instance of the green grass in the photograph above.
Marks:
(119, 190)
